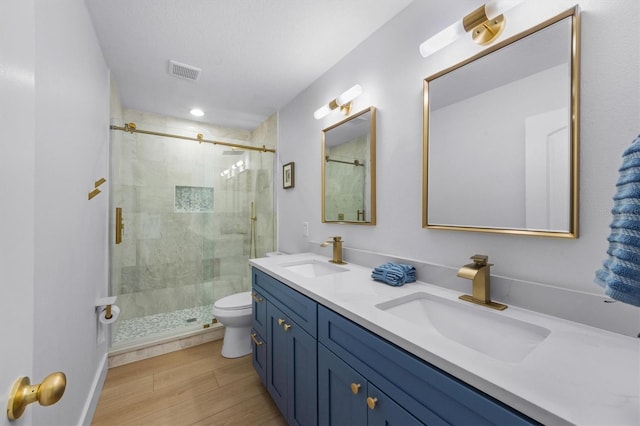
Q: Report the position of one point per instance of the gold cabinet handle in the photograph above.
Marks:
(371, 402)
(255, 297)
(280, 321)
(254, 337)
(46, 393)
(355, 388)
(286, 327)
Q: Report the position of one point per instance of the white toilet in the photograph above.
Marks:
(234, 312)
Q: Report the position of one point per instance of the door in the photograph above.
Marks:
(17, 164)
(383, 411)
(341, 392)
(303, 379)
(277, 382)
(547, 175)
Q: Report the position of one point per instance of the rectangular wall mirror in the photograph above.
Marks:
(501, 136)
(349, 170)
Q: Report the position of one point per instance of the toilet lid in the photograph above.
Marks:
(235, 301)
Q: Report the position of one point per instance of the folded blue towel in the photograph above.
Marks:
(395, 274)
(620, 272)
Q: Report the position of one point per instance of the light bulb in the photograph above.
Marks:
(197, 112)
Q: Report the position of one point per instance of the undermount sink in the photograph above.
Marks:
(313, 268)
(476, 327)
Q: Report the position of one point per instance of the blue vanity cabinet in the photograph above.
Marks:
(347, 398)
(430, 395)
(290, 329)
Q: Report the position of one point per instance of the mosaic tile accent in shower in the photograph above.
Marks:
(137, 328)
(194, 199)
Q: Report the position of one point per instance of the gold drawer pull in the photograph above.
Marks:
(371, 402)
(255, 340)
(280, 321)
(355, 388)
(286, 327)
(255, 297)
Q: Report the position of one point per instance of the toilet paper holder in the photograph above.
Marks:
(107, 303)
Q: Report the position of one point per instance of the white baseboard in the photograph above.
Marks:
(94, 395)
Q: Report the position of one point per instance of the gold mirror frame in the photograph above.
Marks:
(369, 163)
(573, 14)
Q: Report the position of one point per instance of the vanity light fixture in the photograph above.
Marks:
(485, 24)
(343, 102)
(196, 112)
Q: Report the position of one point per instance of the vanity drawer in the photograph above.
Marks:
(428, 393)
(296, 306)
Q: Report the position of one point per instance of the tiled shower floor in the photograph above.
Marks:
(140, 328)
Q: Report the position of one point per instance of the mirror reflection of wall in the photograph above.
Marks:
(348, 171)
(502, 137)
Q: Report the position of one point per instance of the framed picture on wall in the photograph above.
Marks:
(287, 176)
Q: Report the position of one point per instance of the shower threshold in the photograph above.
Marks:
(151, 329)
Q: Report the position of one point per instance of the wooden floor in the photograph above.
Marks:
(194, 386)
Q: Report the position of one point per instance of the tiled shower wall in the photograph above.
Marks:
(346, 185)
(191, 250)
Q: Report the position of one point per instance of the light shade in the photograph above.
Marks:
(349, 95)
(196, 112)
(341, 102)
(498, 7)
(442, 39)
(322, 112)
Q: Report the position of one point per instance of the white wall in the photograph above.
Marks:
(391, 71)
(17, 148)
(71, 153)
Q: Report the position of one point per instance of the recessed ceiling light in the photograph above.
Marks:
(197, 112)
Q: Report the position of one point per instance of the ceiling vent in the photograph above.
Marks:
(184, 71)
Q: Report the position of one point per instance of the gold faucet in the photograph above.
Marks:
(337, 249)
(478, 272)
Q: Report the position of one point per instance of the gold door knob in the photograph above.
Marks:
(371, 402)
(280, 321)
(355, 388)
(46, 393)
(287, 327)
(255, 297)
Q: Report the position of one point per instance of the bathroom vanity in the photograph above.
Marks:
(333, 346)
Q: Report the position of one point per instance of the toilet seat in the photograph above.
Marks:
(234, 302)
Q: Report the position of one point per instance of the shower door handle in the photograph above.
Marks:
(119, 225)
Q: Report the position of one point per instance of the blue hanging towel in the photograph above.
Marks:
(620, 272)
(395, 274)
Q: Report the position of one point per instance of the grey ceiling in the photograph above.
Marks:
(255, 55)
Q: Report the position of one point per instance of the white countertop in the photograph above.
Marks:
(577, 375)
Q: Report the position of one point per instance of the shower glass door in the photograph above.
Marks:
(193, 214)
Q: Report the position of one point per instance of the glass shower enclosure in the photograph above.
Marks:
(193, 214)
